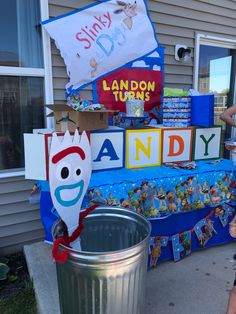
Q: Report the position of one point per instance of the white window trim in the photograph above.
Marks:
(201, 39)
(45, 72)
(5, 175)
(211, 41)
(47, 56)
(18, 71)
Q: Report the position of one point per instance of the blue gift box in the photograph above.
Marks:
(202, 110)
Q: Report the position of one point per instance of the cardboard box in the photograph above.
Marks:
(66, 118)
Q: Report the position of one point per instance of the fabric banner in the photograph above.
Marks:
(139, 83)
(102, 37)
(177, 236)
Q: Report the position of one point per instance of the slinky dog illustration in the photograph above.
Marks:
(129, 10)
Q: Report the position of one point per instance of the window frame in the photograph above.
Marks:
(45, 72)
(208, 40)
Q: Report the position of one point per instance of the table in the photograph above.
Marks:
(188, 209)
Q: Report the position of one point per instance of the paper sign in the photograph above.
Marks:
(102, 37)
(140, 83)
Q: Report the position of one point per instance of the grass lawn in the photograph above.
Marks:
(16, 291)
(21, 303)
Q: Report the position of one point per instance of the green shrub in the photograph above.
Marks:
(4, 269)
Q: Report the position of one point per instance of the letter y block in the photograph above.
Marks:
(207, 143)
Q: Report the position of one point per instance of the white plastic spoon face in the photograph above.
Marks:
(69, 176)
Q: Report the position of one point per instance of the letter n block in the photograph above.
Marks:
(107, 148)
(143, 148)
(177, 144)
(207, 143)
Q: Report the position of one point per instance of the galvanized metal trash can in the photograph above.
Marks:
(108, 276)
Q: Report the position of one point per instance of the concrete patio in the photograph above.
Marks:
(199, 284)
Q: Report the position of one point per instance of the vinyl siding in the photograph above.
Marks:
(176, 22)
(20, 222)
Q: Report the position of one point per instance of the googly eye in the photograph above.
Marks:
(77, 172)
(63, 171)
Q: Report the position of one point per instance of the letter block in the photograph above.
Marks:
(36, 151)
(207, 143)
(143, 148)
(177, 144)
(107, 148)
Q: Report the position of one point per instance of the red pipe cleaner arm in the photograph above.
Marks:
(62, 256)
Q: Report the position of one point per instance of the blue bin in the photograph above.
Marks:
(202, 110)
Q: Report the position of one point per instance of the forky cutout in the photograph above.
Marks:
(69, 176)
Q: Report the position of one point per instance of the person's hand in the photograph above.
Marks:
(232, 228)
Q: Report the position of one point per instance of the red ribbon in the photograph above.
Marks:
(62, 256)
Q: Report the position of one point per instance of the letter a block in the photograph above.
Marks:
(107, 148)
(207, 143)
(177, 144)
(143, 148)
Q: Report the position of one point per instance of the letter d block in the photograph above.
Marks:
(107, 148)
(207, 143)
(143, 148)
(177, 144)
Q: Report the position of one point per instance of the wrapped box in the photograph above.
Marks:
(176, 123)
(176, 111)
(176, 115)
(170, 103)
(66, 118)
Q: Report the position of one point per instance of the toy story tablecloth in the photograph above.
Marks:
(160, 191)
(188, 209)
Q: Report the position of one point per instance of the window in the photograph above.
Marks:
(215, 72)
(23, 77)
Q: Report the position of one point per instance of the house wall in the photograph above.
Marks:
(176, 22)
(20, 222)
